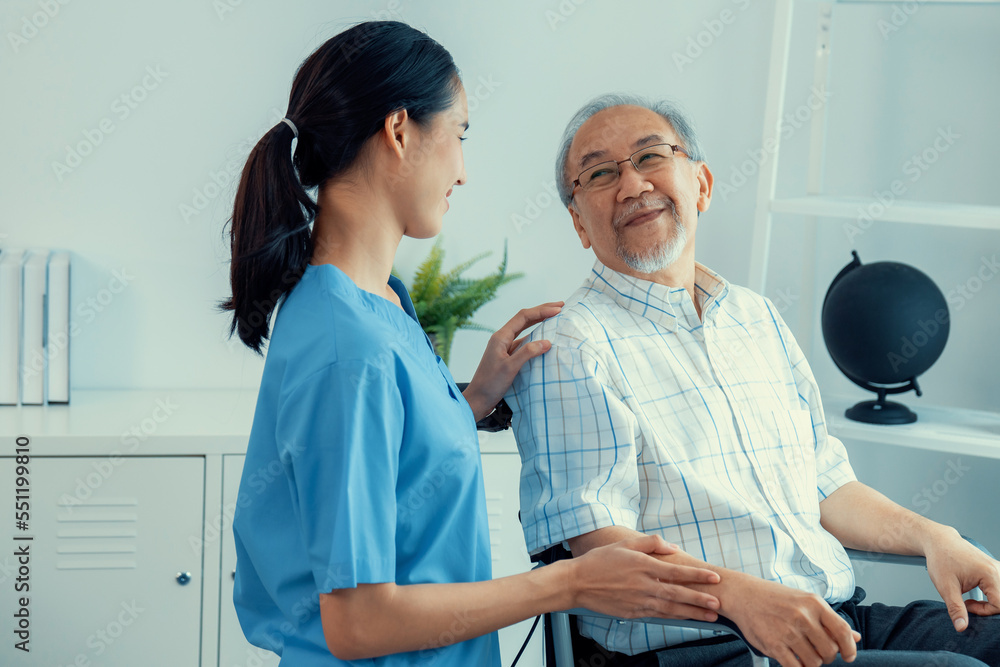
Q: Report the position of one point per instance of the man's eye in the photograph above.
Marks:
(650, 157)
(597, 174)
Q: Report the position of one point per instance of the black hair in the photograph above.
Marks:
(340, 98)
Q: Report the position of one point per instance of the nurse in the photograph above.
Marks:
(360, 528)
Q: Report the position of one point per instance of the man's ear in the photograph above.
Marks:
(397, 132)
(578, 226)
(705, 183)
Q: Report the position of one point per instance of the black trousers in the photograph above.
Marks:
(920, 634)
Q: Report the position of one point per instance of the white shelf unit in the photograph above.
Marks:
(938, 428)
(916, 212)
(963, 432)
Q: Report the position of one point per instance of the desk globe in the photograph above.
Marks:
(884, 324)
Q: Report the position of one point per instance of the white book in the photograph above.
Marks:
(57, 329)
(10, 325)
(33, 329)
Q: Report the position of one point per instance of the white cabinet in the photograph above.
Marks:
(114, 575)
(132, 495)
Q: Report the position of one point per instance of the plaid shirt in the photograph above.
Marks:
(707, 432)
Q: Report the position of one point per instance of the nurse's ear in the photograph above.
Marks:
(398, 133)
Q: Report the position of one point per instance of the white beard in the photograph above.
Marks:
(658, 257)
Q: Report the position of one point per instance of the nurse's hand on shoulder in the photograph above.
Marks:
(624, 580)
(504, 356)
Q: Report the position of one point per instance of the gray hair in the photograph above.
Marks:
(666, 109)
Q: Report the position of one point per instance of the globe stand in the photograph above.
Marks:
(881, 411)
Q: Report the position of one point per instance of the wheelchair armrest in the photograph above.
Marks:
(879, 557)
(498, 420)
(722, 626)
(897, 559)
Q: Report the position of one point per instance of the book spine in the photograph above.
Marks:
(10, 326)
(57, 332)
(33, 330)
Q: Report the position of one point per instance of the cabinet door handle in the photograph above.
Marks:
(183, 578)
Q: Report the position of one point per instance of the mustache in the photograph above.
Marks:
(641, 204)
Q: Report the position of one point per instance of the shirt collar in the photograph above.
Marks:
(656, 302)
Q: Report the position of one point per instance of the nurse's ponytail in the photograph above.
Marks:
(340, 98)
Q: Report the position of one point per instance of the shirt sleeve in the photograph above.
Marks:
(339, 433)
(833, 469)
(577, 443)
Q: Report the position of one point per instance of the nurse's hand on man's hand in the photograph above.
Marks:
(505, 354)
(624, 580)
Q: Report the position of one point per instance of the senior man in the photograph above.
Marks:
(674, 402)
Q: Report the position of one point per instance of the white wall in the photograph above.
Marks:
(224, 70)
(225, 80)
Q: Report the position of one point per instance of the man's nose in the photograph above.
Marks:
(631, 182)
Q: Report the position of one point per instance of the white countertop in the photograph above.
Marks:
(150, 422)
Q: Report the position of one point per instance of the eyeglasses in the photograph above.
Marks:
(645, 160)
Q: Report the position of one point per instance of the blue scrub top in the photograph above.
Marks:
(363, 467)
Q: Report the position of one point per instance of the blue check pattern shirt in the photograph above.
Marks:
(707, 431)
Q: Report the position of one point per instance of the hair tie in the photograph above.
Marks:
(290, 124)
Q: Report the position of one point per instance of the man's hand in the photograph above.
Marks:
(624, 579)
(956, 567)
(796, 628)
(504, 355)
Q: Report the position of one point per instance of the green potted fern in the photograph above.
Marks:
(445, 302)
